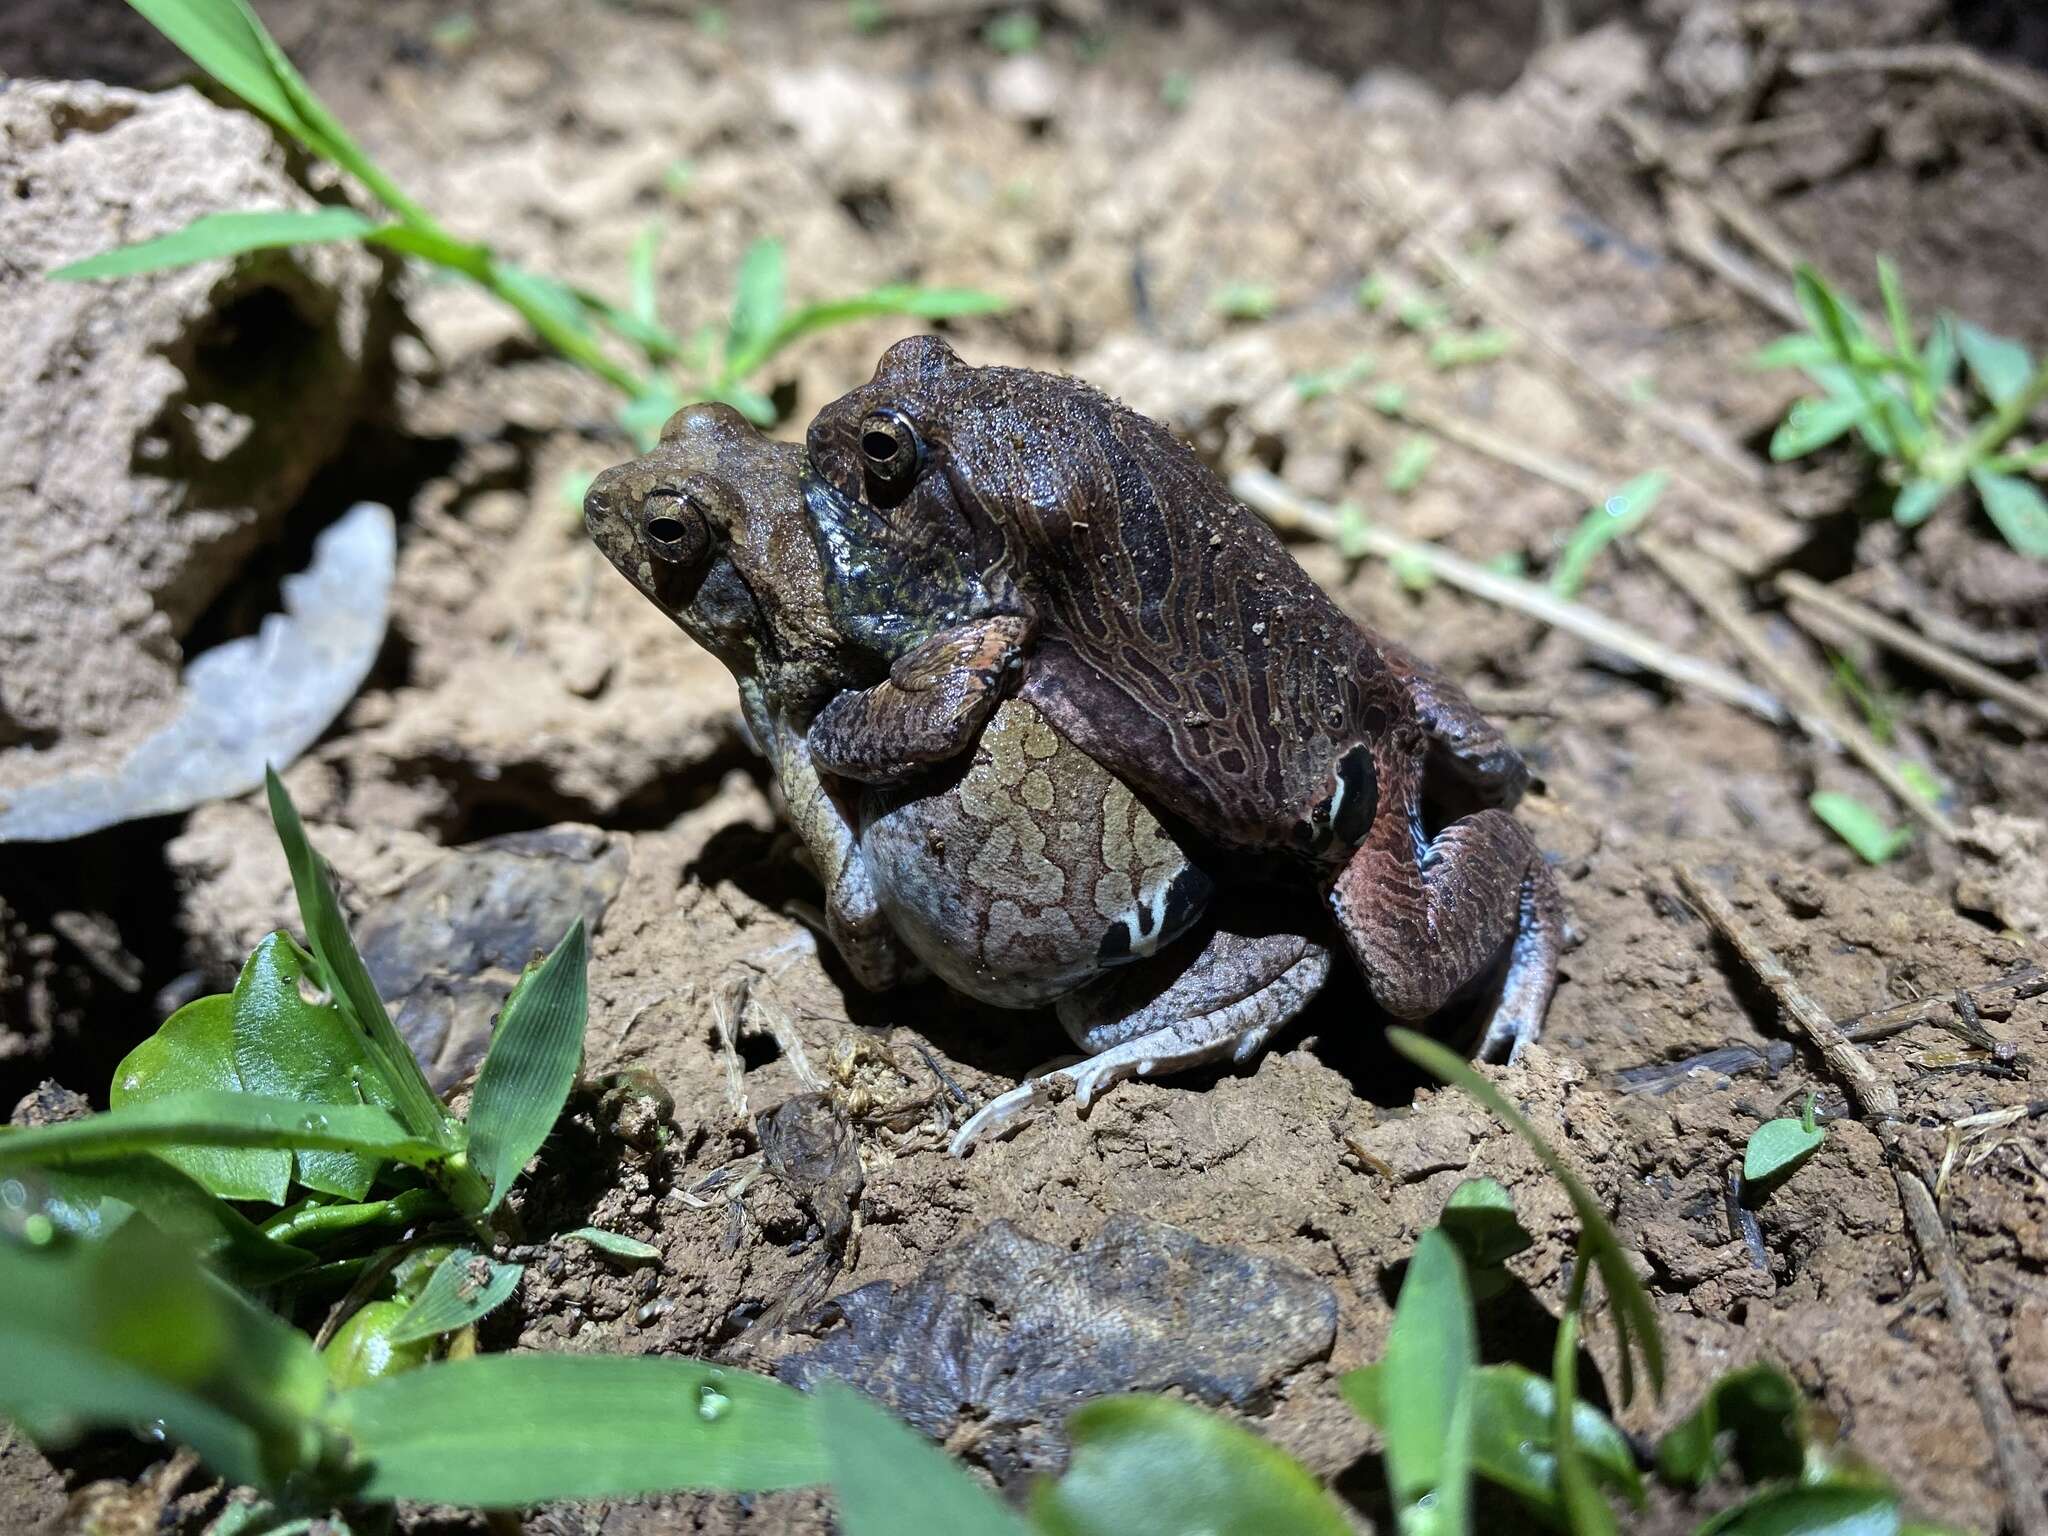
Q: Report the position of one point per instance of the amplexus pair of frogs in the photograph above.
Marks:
(1058, 717)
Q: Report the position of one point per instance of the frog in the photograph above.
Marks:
(1056, 545)
(1020, 872)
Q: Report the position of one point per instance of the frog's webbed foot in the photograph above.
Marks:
(1227, 1002)
(931, 708)
(1427, 921)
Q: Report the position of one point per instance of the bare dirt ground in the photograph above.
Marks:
(1112, 180)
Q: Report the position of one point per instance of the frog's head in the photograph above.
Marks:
(710, 527)
(932, 457)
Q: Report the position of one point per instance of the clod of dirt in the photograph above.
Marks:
(156, 428)
(2014, 886)
(448, 945)
(810, 1146)
(1002, 1334)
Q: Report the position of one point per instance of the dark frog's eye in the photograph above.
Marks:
(893, 454)
(674, 528)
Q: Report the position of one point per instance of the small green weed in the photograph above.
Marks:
(1244, 301)
(625, 345)
(1937, 412)
(1447, 1418)
(1875, 840)
(1777, 1149)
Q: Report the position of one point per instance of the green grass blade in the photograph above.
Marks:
(1635, 1318)
(530, 1067)
(617, 1245)
(2018, 509)
(221, 234)
(1621, 513)
(644, 295)
(1154, 1464)
(224, 38)
(345, 978)
(757, 306)
(193, 1051)
(207, 1118)
(1897, 314)
(464, 1286)
(1431, 1352)
(1818, 1511)
(887, 1478)
(1586, 1513)
(506, 1430)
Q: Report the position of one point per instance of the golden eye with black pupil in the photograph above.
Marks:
(892, 453)
(674, 529)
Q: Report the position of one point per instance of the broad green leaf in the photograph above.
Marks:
(221, 234)
(1621, 513)
(893, 299)
(367, 1348)
(530, 1066)
(499, 1431)
(1761, 1411)
(1411, 462)
(2000, 366)
(888, 1479)
(1916, 502)
(1938, 360)
(464, 1286)
(1480, 1218)
(1635, 1320)
(2018, 509)
(343, 976)
(1154, 1464)
(1586, 1512)
(1821, 1511)
(1863, 829)
(205, 1118)
(92, 1199)
(131, 1330)
(1777, 1148)
(1814, 422)
(617, 1244)
(293, 1048)
(194, 1050)
(1430, 1354)
(757, 303)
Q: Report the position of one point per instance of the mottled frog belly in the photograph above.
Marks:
(1031, 872)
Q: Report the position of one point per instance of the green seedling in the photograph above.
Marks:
(1777, 1149)
(1411, 462)
(1878, 715)
(1313, 386)
(1176, 90)
(1013, 32)
(1620, 514)
(625, 345)
(1937, 412)
(1446, 1417)
(1244, 301)
(1459, 349)
(1875, 840)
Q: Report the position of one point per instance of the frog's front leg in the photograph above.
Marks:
(1427, 918)
(931, 708)
(854, 920)
(1137, 1023)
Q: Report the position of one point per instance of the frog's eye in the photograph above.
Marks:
(892, 452)
(674, 529)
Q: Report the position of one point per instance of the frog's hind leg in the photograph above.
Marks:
(1429, 917)
(1227, 1002)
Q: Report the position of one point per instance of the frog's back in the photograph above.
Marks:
(1200, 660)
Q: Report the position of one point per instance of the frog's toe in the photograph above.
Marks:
(1000, 1115)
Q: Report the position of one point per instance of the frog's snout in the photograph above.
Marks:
(610, 508)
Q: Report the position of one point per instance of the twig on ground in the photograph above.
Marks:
(1937, 659)
(1926, 59)
(1286, 510)
(1814, 711)
(1743, 1219)
(1993, 999)
(1878, 1104)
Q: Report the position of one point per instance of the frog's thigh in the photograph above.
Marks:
(931, 707)
(1227, 1002)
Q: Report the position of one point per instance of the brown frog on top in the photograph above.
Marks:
(969, 518)
(1021, 871)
